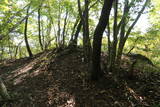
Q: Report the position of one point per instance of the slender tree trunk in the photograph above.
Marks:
(64, 28)
(125, 35)
(109, 42)
(122, 31)
(114, 45)
(74, 27)
(10, 52)
(97, 40)
(25, 36)
(121, 43)
(73, 43)
(77, 32)
(39, 28)
(2, 51)
(86, 41)
(43, 37)
(59, 23)
(16, 51)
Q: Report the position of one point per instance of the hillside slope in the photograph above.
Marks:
(61, 79)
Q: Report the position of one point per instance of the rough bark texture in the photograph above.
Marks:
(97, 40)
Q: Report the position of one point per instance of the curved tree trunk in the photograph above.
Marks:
(25, 36)
(97, 40)
(39, 28)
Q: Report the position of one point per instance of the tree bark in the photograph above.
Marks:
(25, 35)
(74, 27)
(64, 27)
(97, 40)
(3, 91)
(39, 28)
(59, 23)
(86, 40)
(16, 51)
(115, 34)
(109, 42)
(125, 35)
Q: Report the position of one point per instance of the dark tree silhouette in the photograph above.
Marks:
(25, 35)
(97, 40)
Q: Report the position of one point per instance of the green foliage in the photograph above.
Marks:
(12, 11)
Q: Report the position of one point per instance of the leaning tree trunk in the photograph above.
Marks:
(73, 41)
(3, 91)
(123, 41)
(97, 40)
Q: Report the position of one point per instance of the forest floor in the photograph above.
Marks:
(62, 79)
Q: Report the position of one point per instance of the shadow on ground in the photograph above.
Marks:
(51, 80)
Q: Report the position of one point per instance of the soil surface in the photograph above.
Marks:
(62, 79)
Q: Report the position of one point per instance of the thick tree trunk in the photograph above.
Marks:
(25, 36)
(97, 40)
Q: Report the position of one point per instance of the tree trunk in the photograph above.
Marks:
(109, 42)
(77, 32)
(3, 91)
(125, 35)
(86, 40)
(39, 28)
(25, 36)
(97, 40)
(114, 45)
(59, 23)
(64, 27)
(74, 27)
(2, 51)
(73, 42)
(16, 51)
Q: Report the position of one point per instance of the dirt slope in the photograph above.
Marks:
(52, 79)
